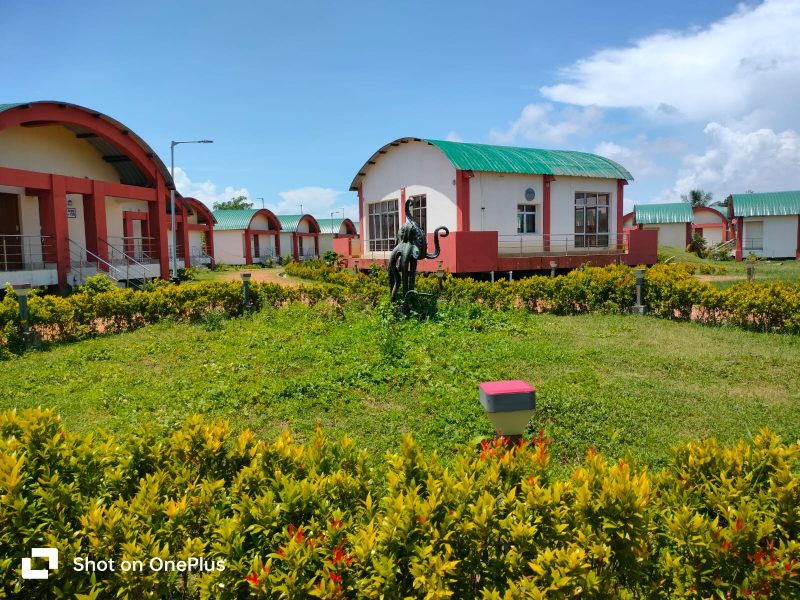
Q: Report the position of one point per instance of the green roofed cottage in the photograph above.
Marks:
(507, 209)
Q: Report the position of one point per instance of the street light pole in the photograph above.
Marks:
(262, 201)
(172, 199)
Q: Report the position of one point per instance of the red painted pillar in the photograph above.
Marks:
(158, 229)
(295, 249)
(546, 179)
(402, 205)
(278, 244)
(462, 200)
(94, 221)
(248, 248)
(797, 251)
(688, 233)
(361, 217)
(739, 241)
(183, 233)
(210, 242)
(53, 219)
(316, 244)
(621, 183)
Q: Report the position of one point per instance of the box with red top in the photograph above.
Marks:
(509, 404)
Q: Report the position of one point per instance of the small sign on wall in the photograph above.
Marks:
(72, 213)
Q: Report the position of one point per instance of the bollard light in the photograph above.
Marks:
(355, 265)
(440, 274)
(638, 308)
(508, 404)
(22, 290)
(553, 266)
(246, 291)
(750, 269)
(511, 275)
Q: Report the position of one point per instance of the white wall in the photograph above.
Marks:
(421, 169)
(286, 244)
(780, 236)
(494, 198)
(229, 247)
(704, 216)
(712, 235)
(53, 149)
(670, 234)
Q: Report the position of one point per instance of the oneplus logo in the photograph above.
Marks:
(51, 554)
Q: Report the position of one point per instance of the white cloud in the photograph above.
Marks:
(746, 65)
(735, 161)
(543, 123)
(317, 201)
(453, 137)
(205, 191)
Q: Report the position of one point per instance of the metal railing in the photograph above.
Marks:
(141, 249)
(199, 256)
(753, 243)
(522, 245)
(307, 255)
(26, 252)
(131, 267)
(86, 263)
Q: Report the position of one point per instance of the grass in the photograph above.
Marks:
(615, 383)
(766, 270)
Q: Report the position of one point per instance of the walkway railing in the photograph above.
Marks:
(87, 264)
(26, 252)
(131, 267)
(523, 245)
(140, 249)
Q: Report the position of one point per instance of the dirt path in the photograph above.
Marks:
(263, 275)
(713, 278)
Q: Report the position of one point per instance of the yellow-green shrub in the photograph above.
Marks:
(315, 520)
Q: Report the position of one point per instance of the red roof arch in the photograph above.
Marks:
(90, 123)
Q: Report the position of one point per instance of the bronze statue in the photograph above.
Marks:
(412, 245)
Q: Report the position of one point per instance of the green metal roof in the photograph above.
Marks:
(507, 159)
(674, 212)
(4, 107)
(290, 223)
(233, 218)
(768, 204)
(334, 225)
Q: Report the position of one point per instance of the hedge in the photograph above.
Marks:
(670, 291)
(289, 520)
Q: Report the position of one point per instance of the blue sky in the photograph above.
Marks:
(297, 95)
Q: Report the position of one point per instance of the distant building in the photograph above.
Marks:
(335, 229)
(299, 236)
(81, 194)
(506, 208)
(676, 222)
(246, 236)
(767, 224)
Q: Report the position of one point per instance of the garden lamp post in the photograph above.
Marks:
(172, 199)
(750, 269)
(22, 290)
(553, 265)
(355, 265)
(638, 308)
(509, 405)
(440, 274)
(246, 290)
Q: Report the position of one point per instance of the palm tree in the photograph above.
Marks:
(698, 197)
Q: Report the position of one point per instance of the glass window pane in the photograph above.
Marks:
(580, 198)
(602, 219)
(591, 199)
(580, 219)
(591, 220)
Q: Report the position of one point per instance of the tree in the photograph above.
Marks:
(234, 203)
(698, 198)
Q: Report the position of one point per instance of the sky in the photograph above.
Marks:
(298, 95)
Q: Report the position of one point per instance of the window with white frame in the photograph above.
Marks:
(420, 211)
(591, 219)
(526, 218)
(383, 219)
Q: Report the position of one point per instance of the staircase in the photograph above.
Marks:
(123, 270)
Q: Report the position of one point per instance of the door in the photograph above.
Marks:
(10, 241)
(753, 235)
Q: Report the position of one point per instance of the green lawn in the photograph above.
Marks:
(609, 382)
(766, 270)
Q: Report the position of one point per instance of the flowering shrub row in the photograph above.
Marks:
(288, 520)
(670, 291)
